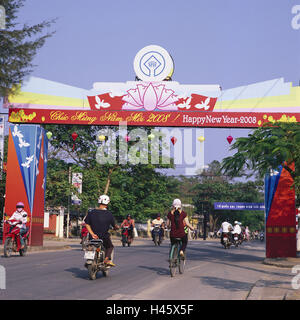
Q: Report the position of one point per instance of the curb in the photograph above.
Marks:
(41, 248)
(279, 262)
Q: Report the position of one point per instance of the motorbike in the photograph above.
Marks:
(157, 238)
(126, 239)
(12, 239)
(84, 237)
(94, 258)
(262, 236)
(226, 240)
(236, 239)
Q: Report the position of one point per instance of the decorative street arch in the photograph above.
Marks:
(151, 102)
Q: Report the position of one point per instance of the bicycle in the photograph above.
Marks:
(175, 259)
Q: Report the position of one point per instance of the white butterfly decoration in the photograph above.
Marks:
(27, 163)
(17, 133)
(204, 104)
(101, 103)
(185, 104)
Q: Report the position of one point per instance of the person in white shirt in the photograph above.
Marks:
(158, 222)
(226, 227)
(21, 215)
(237, 229)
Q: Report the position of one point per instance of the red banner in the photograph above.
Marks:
(149, 118)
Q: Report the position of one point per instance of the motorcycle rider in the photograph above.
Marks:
(226, 227)
(177, 220)
(98, 222)
(237, 229)
(131, 225)
(158, 221)
(21, 215)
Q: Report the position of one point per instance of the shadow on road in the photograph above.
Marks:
(221, 283)
(158, 270)
(79, 273)
(230, 258)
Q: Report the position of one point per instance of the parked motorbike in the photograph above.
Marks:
(126, 239)
(12, 239)
(226, 240)
(84, 237)
(157, 235)
(94, 256)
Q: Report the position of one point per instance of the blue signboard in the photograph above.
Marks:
(238, 206)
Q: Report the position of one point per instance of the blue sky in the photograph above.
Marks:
(230, 43)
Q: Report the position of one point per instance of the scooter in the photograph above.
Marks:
(94, 256)
(12, 239)
(236, 240)
(157, 238)
(226, 240)
(262, 236)
(126, 239)
(84, 237)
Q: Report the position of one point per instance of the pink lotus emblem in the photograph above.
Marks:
(150, 97)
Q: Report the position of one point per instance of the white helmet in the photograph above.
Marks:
(236, 222)
(176, 203)
(104, 199)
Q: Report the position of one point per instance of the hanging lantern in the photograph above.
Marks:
(201, 138)
(127, 138)
(174, 140)
(49, 134)
(229, 139)
(101, 138)
(74, 137)
(151, 136)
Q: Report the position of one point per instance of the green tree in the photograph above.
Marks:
(137, 189)
(213, 187)
(18, 47)
(267, 148)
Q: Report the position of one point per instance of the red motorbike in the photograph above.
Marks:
(126, 238)
(84, 237)
(12, 239)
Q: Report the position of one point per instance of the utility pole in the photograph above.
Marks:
(69, 200)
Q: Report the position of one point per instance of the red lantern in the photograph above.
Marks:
(229, 139)
(127, 138)
(173, 139)
(74, 137)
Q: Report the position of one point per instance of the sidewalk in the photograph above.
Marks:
(276, 288)
(282, 262)
(55, 244)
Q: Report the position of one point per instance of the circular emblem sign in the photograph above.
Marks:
(153, 63)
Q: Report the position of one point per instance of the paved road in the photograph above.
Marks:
(142, 273)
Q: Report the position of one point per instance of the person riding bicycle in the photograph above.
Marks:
(21, 215)
(177, 220)
(158, 222)
(129, 222)
(98, 222)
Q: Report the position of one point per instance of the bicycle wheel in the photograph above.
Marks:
(173, 260)
(181, 264)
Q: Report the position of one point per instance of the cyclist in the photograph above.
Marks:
(21, 215)
(98, 222)
(177, 220)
